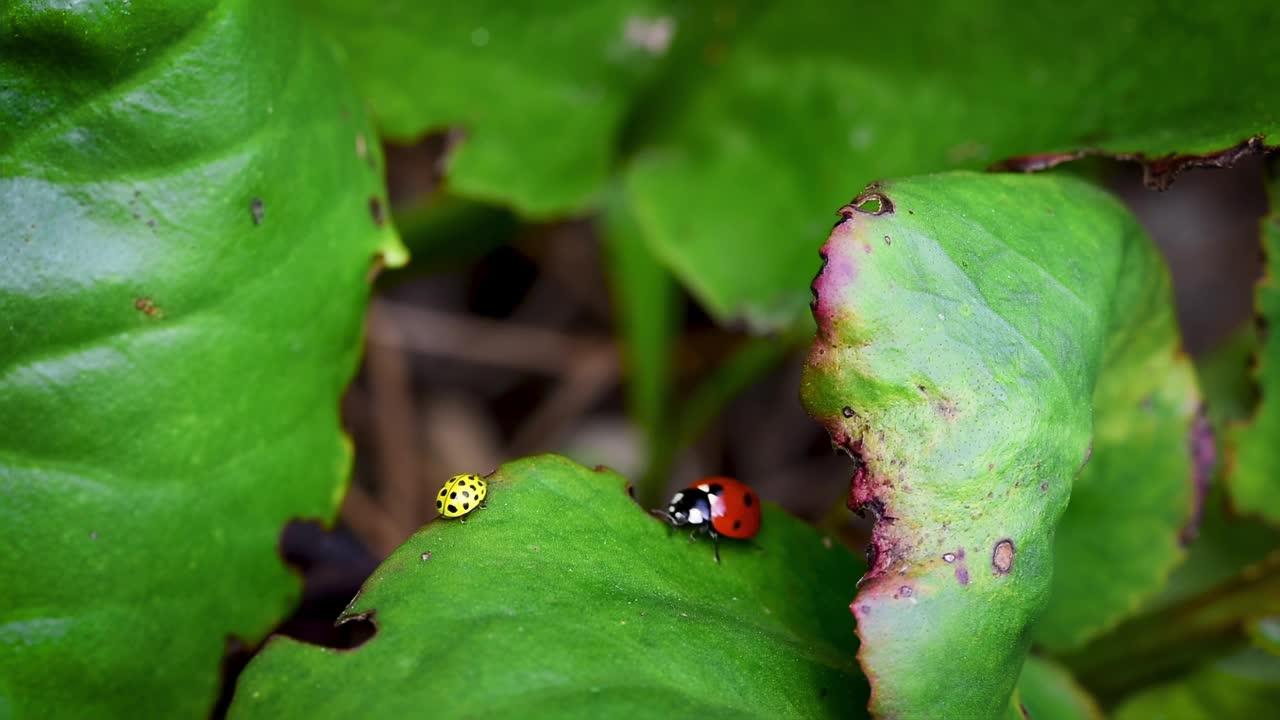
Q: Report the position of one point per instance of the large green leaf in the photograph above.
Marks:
(563, 598)
(540, 91)
(186, 230)
(808, 99)
(1226, 582)
(1246, 685)
(962, 323)
(1255, 465)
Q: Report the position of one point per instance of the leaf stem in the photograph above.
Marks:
(1172, 640)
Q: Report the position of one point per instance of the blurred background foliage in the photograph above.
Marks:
(612, 241)
(614, 210)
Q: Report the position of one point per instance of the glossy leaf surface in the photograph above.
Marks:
(563, 597)
(186, 245)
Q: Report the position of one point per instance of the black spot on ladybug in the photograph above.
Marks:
(453, 509)
(439, 504)
(466, 494)
(466, 506)
(737, 524)
(715, 489)
(453, 496)
(749, 500)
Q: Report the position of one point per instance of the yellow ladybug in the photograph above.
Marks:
(461, 494)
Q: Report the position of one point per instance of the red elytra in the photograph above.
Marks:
(737, 515)
(717, 506)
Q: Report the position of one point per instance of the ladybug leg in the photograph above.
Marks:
(715, 543)
(693, 535)
(663, 515)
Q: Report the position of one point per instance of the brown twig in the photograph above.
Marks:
(394, 421)
(479, 340)
(380, 532)
(591, 374)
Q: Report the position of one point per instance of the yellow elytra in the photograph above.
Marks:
(461, 494)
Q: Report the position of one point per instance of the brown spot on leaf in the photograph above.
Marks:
(962, 575)
(257, 210)
(148, 307)
(945, 408)
(377, 212)
(888, 240)
(426, 556)
(1002, 557)
(848, 412)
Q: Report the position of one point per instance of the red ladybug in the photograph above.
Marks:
(715, 506)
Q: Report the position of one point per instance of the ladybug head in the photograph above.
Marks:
(687, 507)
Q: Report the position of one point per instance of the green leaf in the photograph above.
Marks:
(1254, 472)
(1242, 686)
(1225, 379)
(539, 93)
(447, 231)
(962, 323)
(1046, 691)
(564, 598)
(1179, 635)
(788, 111)
(1226, 544)
(1135, 502)
(187, 235)
(646, 305)
(1264, 632)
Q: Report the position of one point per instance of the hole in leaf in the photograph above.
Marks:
(333, 566)
(871, 202)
